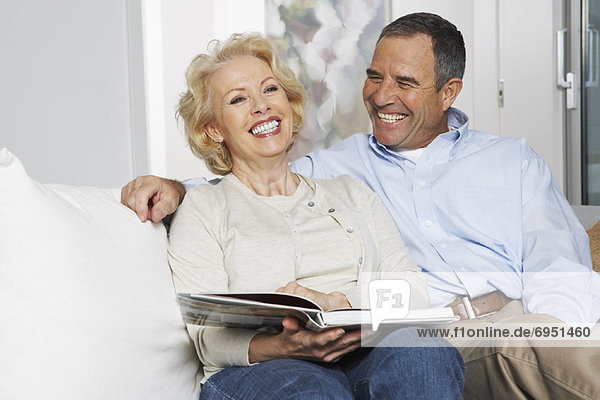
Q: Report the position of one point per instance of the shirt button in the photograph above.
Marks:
(311, 204)
(331, 210)
(443, 245)
(360, 260)
(422, 183)
(350, 229)
(428, 224)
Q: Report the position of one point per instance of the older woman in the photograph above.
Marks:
(264, 228)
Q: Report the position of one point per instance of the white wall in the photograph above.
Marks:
(176, 31)
(533, 103)
(65, 90)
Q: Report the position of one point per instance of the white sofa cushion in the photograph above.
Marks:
(87, 306)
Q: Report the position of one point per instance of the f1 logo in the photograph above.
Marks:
(389, 300)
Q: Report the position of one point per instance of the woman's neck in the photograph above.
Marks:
(276, 180)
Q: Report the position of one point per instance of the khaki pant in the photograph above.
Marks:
(505, 371)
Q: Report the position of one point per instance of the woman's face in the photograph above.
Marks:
(251, 111)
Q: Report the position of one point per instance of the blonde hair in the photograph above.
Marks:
(195, 105)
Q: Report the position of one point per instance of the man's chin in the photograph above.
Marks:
(389, 141)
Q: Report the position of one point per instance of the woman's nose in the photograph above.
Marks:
(260, 106)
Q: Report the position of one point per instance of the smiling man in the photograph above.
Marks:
(405, 100)
(481, 214)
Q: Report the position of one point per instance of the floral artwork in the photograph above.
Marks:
(329, 45)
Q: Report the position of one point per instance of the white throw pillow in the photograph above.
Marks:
(87, 305)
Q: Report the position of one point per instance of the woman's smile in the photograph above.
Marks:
(266, 128)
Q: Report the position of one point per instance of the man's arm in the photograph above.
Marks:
(557, 273)
(152, 197)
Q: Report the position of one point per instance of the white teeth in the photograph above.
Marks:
(391, 117)
(266, 127)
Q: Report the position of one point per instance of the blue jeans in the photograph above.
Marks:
(397, 372)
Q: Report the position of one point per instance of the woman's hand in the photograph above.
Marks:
(327, 301)
(297, 342)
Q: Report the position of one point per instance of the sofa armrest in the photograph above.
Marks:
(588, 215)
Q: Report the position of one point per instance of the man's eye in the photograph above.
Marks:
(404, 85)
(374, 79)
(236, 100)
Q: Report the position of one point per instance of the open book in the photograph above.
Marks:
(255, 310)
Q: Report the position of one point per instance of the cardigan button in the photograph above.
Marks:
(311, 204)
(350, 229)
(331, 210)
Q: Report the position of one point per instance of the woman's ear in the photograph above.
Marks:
(213, 133)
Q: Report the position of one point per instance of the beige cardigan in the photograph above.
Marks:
(330, 235)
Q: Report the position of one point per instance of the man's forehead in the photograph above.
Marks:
(423, 41)
(403, 52)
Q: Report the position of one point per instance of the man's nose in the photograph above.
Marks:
(384, 93)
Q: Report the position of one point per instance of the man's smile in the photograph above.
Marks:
(391, 118)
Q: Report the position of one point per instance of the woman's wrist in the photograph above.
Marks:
(338, 300)
(263, 347)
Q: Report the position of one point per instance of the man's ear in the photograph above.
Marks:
(213, 133)
(450, 92)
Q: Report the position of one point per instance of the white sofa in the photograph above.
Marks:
(87, 306)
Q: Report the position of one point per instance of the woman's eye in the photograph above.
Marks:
(236, 100)
(271, 89)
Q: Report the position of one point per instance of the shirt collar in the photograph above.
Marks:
(459, 130)
(458, 124)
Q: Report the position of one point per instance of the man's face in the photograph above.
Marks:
(406, 110)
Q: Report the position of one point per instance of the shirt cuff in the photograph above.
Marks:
(227, 347)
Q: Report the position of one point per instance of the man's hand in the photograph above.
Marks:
(152, 198)
(297, 342)
(327, 301)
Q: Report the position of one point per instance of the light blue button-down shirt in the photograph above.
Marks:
(479, 213)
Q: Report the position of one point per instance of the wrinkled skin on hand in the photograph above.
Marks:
(152, 197)
(299, 343)
(327, 301)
